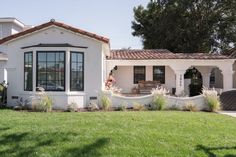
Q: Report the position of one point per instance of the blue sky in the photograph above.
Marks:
(110, 18)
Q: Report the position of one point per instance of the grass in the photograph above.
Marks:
(133, 134)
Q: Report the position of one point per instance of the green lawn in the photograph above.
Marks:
(116, 134)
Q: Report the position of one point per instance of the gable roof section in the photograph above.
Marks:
(126, 54)
(58, 24)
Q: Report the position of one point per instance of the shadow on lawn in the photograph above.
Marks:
(28, 144)
(209, 150)
(91, 150)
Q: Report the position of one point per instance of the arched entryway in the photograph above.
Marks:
(193, 79)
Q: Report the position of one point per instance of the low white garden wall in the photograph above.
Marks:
(172, 102)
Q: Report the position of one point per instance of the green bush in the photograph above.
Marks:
(212, 99)
(45, 103)
(105, 102)
(159, 102)
(122, 107)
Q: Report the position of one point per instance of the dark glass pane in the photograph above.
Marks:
(74, 57)
(28, 71)
(51, 72)
(42, 75)
(51, 56)
(74, 66)
(159, 74)
(139, 74)
(62, 58)
(57, 57)
(80, 58)
(51, 66)
(41, 56)
(42, 66)
(76, 72)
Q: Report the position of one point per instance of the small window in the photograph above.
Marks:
(28, 71)
(139, 74)
(76, 71)
(159, 74)
(212, 77)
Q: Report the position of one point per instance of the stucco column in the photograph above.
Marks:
(227, 79)
(179, 81)
(206, 79)
(206, 73)
(3, 75)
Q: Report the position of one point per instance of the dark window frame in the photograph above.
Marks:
(32, 63)
(135, 80)
(164, 74)
(76, 52)
(59, 51)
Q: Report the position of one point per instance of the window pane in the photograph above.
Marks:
(139, 74)
(51, 57)
(41, 56)
(50, 73)
(76, 72)
(159, 74)
(80, 58)
(28, 71)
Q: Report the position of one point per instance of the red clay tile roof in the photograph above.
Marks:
(127, 54)
(51, 23)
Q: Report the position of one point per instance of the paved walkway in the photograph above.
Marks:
(229, 113)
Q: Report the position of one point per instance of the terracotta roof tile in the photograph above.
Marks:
(51, 23)
(127, 54)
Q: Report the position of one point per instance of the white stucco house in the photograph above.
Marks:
(72, 65)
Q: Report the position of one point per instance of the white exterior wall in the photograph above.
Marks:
(5, 29)
(124, 76)
(15, 29)
(93, 62)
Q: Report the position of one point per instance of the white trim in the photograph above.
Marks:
(37, 31)
(13, 20)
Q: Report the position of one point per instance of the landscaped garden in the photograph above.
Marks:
(143, 133)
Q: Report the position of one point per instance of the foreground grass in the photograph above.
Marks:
(116, 134)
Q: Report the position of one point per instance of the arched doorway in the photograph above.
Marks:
(195, 79)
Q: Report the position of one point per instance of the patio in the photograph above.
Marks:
(131, 66)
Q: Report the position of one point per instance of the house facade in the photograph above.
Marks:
(72, 65)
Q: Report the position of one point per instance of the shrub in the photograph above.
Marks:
(105, 102)
(159, 102)
(93, 107)
(212, 99)
(190, 106)
(45, 103)
(138, 107)
(42, 102)
(122, 107)
(72, 107)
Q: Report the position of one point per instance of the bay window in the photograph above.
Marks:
(50, 73)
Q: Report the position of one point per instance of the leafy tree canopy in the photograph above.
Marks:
(186, 25)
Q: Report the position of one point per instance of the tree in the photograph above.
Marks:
(186, 25)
